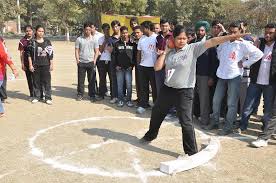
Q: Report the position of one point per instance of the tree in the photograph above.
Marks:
(151, 7)
(63, 13)
(8, 11)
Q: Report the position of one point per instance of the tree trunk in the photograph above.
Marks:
(67, 33)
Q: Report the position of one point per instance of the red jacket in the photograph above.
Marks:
(4, 59)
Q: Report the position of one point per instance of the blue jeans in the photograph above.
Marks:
(253, 93)
(124, 75)
(233, 93)
(1, 105)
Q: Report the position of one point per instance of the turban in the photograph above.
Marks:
(204, 24)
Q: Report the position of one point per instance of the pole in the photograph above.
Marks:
(18, 19)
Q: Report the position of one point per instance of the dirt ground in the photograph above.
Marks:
(43, 144)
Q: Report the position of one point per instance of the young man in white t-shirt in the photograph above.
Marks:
(261, 79)
(229, 74)
(146, 58)
(103, 64)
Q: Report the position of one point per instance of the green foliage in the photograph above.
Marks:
(8, 11)
(72, 13)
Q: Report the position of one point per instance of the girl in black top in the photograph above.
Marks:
(40, 56)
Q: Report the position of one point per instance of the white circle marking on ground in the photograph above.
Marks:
(141, 174)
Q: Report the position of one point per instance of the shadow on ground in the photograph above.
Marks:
(123, 137)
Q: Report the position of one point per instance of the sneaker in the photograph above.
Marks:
(79, 98)
(224, 133)
(93, 99)
(129, 104)
(168, 117)
(113, 101)
(259, 143)
(120, 104)
(238, 131)
(144, 141)
(35, 100)
(49, 102)
(211, 126)
(140, 110)
(107, 94)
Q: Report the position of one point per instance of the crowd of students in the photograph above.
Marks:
(188, 72)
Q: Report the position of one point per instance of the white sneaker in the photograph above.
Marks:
(140, 110)
(113, 101)
(107, 94)
(49, 102)
(259, 143)
(34, 100)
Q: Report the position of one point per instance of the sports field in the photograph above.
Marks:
(81, 142)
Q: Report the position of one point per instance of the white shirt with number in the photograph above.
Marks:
(264, 71)
(147, 46)
(229, 55)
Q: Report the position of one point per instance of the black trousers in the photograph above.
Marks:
(42, 82)
(88, 68)
(104, 68)
(270, 128)
(3, 89)
(146, 77)
(30, 80)
(183, 100)
(137, 83)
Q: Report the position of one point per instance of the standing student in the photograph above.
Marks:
(230, 72)
(146, 57)
(115, 25)
(203, 74)
(262, 79)
(40, 56)
(123, 52)
(180, 65)
(133, 22)
(4, 59)
(157, 28)
(86, 53)
(104, 66)
(97, 35)
(137, 35)
(161, 41)
(22, 47)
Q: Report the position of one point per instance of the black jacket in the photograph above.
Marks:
(254, 69)
(124, 54)
(41, 53)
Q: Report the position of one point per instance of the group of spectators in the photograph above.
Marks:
(206, 71)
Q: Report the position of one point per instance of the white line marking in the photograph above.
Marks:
(95, 146)
(141, 174)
